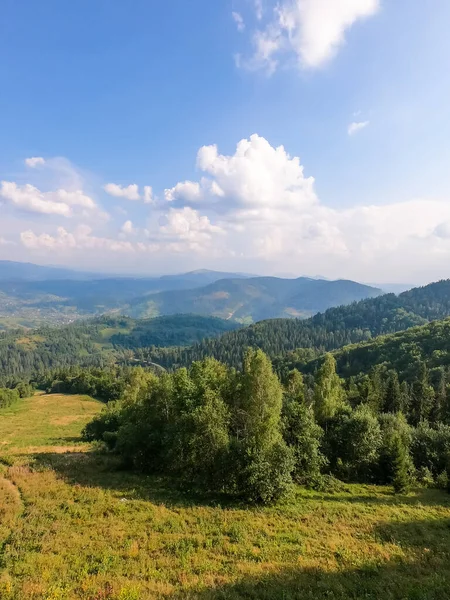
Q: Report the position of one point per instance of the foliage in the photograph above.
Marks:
(401, 480)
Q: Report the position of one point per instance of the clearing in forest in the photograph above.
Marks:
(73, 525)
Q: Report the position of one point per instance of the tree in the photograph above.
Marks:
(260, 462)
(352, 440)
(375, 390)
(393, 395)
(329, 395)
(401, 460)
(440, 398)
(422, 395)
(304, 436)
(393, 426)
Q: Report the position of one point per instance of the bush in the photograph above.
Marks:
(425, 477)
(107, 422)
(265, 476)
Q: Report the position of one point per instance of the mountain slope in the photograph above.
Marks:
(326, 331)
(255, 298)
(400, 351)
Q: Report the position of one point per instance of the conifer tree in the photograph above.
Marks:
(422, 395)
(393, 394)
(402, 479)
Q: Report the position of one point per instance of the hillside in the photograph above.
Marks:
(254, 299)
(326, 331)
(98, 342)
(94, 531)
(403, 352)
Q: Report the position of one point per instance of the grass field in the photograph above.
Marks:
(74, 526)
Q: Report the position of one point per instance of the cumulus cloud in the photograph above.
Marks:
(148, 195)
(356, 126)
(310, 30)
(238, 19)
(31, 199)
(130, 192)
(34, 161)
(267, 209)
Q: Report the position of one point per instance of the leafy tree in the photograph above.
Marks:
(304, 436)
(351, 443)
(329, 395)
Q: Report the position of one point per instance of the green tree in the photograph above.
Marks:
(329, 395)
(402, 464)
(260, 464)
(304, 436)
(422, 395)
(393, 395)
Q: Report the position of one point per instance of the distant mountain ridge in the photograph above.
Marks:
(254, 298)
(28, 298)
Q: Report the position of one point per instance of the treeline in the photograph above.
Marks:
(249, 435)
(336, 327)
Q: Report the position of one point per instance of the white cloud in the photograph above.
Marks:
(5, 242)
(261, 199)
(127, 228)
(311, 30)
(34, 161)
(130, 192)
(148, 195)
(256, 210)
(80, 239)
(238, 19)
(259, 9)
(356, 126)
(31, 199)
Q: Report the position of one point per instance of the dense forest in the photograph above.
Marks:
(97, 342)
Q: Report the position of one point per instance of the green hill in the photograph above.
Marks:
(254, 299)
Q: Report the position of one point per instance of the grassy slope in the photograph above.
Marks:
(74, 527)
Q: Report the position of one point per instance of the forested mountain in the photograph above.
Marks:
(326, 331)
(98, 342)
(402, 352)
(254, 299)
(209, 293)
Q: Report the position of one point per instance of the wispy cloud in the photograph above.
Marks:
(357, 126)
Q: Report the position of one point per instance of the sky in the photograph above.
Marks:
(300, 137)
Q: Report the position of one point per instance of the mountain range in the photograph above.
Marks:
(31, 295)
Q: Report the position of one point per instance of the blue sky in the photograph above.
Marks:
(111, 94)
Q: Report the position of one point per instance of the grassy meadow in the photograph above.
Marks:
(73, 525)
